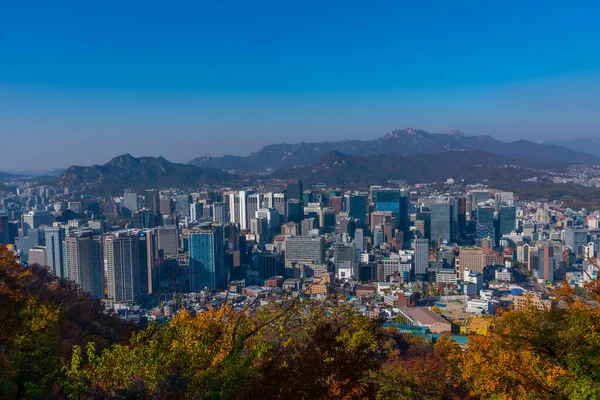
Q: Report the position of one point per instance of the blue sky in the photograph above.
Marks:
(81, 82)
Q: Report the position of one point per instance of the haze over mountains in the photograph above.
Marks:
(589, 145)
(407, 154)
(403, 141)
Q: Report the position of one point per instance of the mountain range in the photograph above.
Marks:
(587, 145)
(472, 166)
(407, 154)
(143, 172)
(403, 141)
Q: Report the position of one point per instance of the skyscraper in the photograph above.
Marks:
(166, 206)
(84, 261)
(197, 211)
(147, 245)
(168, 239)
(55, 236)
(182, 205)
(144, 219)
(507, 217)
(459, 219)
(441, 221)
(344, 256)
(303, 250)
(485, 223)
(152, 201)
(359, 239)
(542, 261)
(233, 202)
(122, 257)
(253, 202)
(3, 228)
(357, 207)
(576, 237)
(337, 203)
(294, 190)
(130, 203)
(219, 213)
(403, 212)
(295, 211)
(421, 257)
(207, 259)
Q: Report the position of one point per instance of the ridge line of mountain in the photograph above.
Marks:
(403, 141)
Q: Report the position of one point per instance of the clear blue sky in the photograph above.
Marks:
(83, 81)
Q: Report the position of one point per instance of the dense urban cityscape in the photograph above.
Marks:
(463, 250)
(299, 200)
(435, 261)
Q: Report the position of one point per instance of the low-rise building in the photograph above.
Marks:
(424, 316)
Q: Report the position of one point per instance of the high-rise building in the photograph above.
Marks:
(344, 256)
(84, 261)
(307, 226)
(295, 211)
(278, 202)
(294, 190)
(122, 258)
(421, 256)
(459, 219)
(337, 203)
(378, 236)
(272, 217)
(35, 219)
(304, 250)
(147, 244)
(404, 212)
(152, 201)
(144, 219)
(182, 205)
(507, 220)
(472, 259)
(327, 218)
(307, 197)
(441, 222)
(360, 240)
(485, 223)
(76, 207)
(575, 238)
(196, 211)
(253, 203)
(313, 210)
(386, 200)
(37, 255)
(4, 229)
(207, 258)
(166, 206)
(219, 213)
(233, 202)
(130, 203)
(168, 239)
(25, 243)
(55, 235)
(542, 261)
(357, 207)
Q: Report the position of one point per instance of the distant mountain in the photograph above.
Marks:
(8, 175)
(143, 172)
(474, 166)
(404, 141)
(586, 145)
